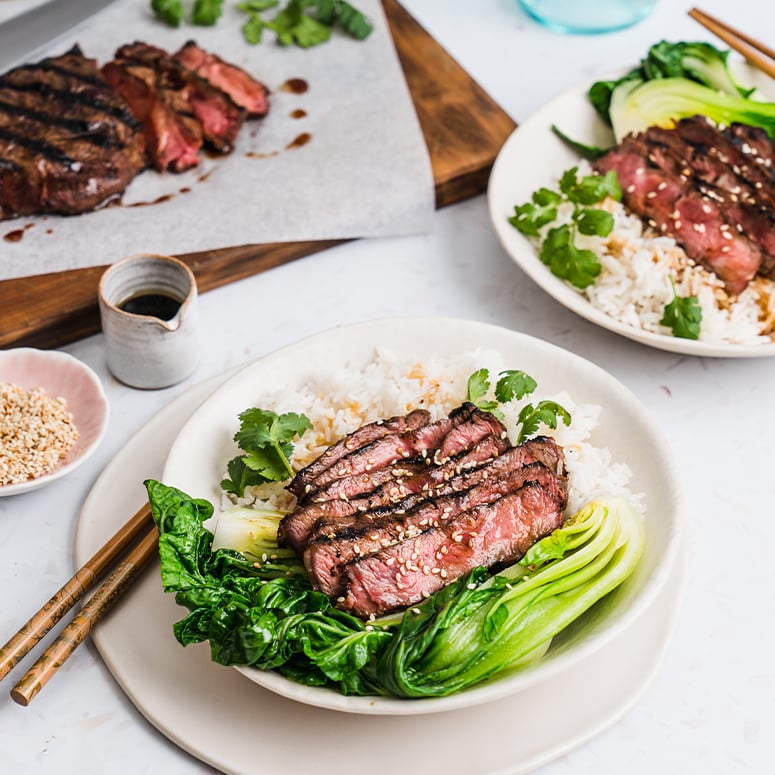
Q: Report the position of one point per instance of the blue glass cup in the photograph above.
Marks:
(587, 16)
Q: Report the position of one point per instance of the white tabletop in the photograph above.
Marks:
(710, 708)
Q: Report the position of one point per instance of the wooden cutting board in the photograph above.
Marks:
(463, 127)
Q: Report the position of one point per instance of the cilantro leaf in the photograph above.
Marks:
(265, 437)
(169, 11)
(478, 385)
(589, 189)
(566, 261)
(514, 384)
(594, 222)
(546, 412)
(253, 29)
(531, 216)
(293, 25)
(207, 12)
(352, 21)
(256, 6)
(683, 315)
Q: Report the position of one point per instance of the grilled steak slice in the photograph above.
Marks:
(172, 134)
(467, 424)
(494, 533)
(68, 144)
(326, 557)
(359, 493)
(219, 116)
(671, 201)
(302, 482)
(244, 90)
(720, 182)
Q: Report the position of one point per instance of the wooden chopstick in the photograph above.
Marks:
(71, 592)
(739, 41)
(77, 630)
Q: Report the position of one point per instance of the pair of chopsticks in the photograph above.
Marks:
(71, 592)
(750, 48)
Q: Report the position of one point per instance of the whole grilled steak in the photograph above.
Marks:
(244, 90)
(68, 143)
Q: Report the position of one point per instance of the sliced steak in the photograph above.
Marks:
(68, 143)
(754, 142)
(302, 482)
(353, 495)
(173, 136)
(327, 556)
(431, 439)
(219, 116)
(244, 90)
(677, 208)
(490, 534)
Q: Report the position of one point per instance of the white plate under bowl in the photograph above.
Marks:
(198, 457)
(60, 375)
(240, 728)
(534, 157)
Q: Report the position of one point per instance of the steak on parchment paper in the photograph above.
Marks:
(399, 509)
(68, 142)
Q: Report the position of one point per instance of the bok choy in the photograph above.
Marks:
(256, 606)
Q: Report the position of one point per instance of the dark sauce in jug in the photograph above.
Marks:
(157, 305)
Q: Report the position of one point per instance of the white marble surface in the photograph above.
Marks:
(710, 710)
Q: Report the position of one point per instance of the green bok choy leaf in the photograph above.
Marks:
(258, 608)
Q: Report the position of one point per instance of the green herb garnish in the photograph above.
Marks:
(683, 315)
(558, 250)
(304, 23)
(266, 439)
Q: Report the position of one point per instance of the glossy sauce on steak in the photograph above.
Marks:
(372, 496)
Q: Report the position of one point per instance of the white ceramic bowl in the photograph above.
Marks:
(59, 374)
(197, 460)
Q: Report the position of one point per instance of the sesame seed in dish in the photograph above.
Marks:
(36, 433)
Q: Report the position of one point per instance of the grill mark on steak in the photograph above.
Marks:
(327, 554)
(86, 98)
(302, 482)
(490, 534)
(63, 155)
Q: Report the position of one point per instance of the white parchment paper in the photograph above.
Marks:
(364, 172)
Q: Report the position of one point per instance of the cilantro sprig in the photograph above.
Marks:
(266, 439)
(558, 249)
(304, 23)
(514, 385)
(683, 315)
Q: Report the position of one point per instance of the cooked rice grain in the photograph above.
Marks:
(339, 403)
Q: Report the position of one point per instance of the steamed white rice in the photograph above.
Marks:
(338, 403)
(634, 284)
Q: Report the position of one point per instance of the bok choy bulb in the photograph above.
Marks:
(481, 625)
(637, 105)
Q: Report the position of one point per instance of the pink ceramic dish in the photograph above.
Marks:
(59, 374)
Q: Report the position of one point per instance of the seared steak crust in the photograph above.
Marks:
(68, 144)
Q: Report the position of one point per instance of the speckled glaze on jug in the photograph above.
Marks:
(144, 351)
